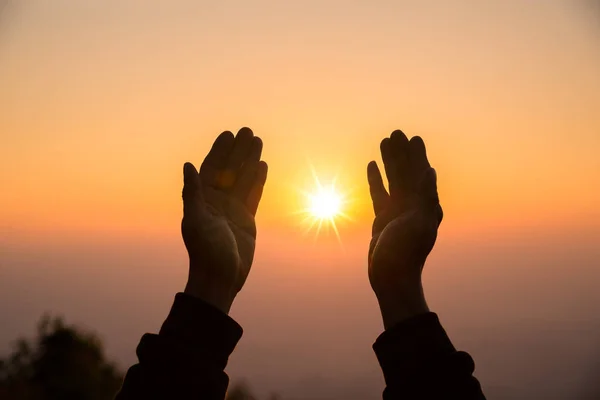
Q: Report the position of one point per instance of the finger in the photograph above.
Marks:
(241, 149)
(256, 191)
(216, 159)
(247, 174)
(418, 154)
(192, 188)
(389, 163)
(428, 188)
(378, 193)
(399, 145)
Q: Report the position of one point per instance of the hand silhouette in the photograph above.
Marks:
(405, 226)
(219, 205)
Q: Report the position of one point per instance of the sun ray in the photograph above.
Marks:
(315, 177)
(319, 227)
(345, 216)
(311, 223)
(335, 229)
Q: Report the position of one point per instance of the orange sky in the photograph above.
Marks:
(102, 101)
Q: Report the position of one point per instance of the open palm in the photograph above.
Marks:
(406, 218)
(220, 202)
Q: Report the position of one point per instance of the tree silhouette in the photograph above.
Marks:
(61, 362)
(240, 391)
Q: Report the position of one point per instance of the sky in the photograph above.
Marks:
(101, 103)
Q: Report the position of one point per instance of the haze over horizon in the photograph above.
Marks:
(103, 101)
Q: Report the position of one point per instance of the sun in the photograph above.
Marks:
(325, 204)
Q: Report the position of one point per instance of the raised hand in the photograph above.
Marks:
(405, 226)
(219, 205)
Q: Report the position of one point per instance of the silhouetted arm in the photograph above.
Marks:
(187, 358)
(417, 358)
(419, 362)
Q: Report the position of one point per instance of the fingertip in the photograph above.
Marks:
(225, 135)
(417, 145)
(374, 175)
(372, 168)
(377, 190)
(223, 142)
(261, 172)
(190, 181)
(245, 132)
(385, 144)
(189, 168)
(386, 150)
(417, 140)
(257, 145)
(217, 156)
(399, 136)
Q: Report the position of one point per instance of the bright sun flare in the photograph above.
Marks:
(324, 205)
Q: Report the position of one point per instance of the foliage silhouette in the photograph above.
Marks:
(61, 362)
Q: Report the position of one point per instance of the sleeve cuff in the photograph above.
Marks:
(411, 344)
(201, 327)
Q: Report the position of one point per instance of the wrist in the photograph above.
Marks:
(213, 294)
(401, 304)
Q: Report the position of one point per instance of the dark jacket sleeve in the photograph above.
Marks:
(419, 362)
(187, 358)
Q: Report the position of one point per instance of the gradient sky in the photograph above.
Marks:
(101, 102)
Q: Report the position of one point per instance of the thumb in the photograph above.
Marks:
(192, 188)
